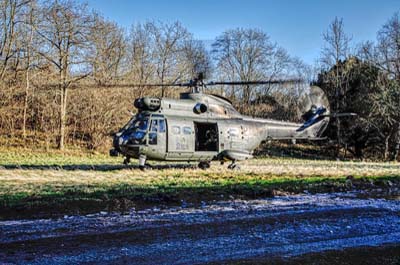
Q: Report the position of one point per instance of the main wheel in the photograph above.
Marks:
(234, 167)
(204, 165)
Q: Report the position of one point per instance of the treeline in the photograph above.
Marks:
(364, 79)
(58, 60)
(66, 71)
(66, 76)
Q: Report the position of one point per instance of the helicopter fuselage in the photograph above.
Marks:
(201, 127)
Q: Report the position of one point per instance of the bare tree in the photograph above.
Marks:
(28, 42)
(389, 53)
(140, 55)
(385, 55)
(195, 59)
(64, 31)
(107, 50)
(11, 12)
(389, 46)
(337, 43)
(158, 52)
(248, 54)
(335, 51)
(169, 40)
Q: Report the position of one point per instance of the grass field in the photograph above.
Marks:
(36, 182)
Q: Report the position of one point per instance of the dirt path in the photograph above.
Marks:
(284, 226)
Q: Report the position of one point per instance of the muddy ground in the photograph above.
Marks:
(295, 229)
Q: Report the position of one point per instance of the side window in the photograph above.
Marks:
(176, 130)
(153, 138)
(233, 132)
(187, 130)
(161, 126)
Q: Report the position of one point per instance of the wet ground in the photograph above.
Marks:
(281, 229)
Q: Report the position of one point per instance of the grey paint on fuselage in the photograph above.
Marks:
(238, 135)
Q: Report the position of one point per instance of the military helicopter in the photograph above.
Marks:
(205, 127)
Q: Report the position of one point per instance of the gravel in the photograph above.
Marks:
(284, 226)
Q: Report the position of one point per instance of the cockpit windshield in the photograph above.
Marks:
(135, 129)
(138, 122)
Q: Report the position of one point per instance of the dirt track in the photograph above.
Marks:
(284, 226)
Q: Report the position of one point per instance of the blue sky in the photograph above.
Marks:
(295, 25)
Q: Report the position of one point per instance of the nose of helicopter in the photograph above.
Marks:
(122, 145)
(117, 141)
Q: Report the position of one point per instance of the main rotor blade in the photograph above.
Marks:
(142, 85)
(261, 82)
(339, 115)
(160, 85)
(211, 83)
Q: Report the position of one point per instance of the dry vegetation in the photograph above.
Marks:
(68, 76)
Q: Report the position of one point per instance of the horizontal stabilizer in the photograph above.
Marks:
(339, 115)
(313, 116)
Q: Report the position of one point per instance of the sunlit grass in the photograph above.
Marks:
(36, 178)
(20, 156)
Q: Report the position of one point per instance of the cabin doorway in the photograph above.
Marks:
(206, 137)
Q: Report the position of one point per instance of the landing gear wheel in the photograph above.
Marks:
(142, 162)
(127, 160)
(204, 165)
(233, 166)
(145, 167)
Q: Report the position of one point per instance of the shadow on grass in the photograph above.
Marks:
(89, 167)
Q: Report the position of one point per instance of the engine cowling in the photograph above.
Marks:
(200, 108)
(147, 103)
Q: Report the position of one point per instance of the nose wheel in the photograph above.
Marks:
(127, 160)
(142, 162)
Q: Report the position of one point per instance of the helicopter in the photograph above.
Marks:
(201, 127)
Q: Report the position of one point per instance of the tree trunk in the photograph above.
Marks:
(397, 147)
(62, 120)
(63, 116)
(28, 64)
(337, 94)
(386, 154)
(25, 103)
(338, 137)
(27, 81)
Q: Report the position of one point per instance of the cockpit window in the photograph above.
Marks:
(141, 124)
(154, 126)
(161, 126)
(157, 126)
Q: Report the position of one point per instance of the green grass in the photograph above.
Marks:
(41, 182)
(21, 156)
